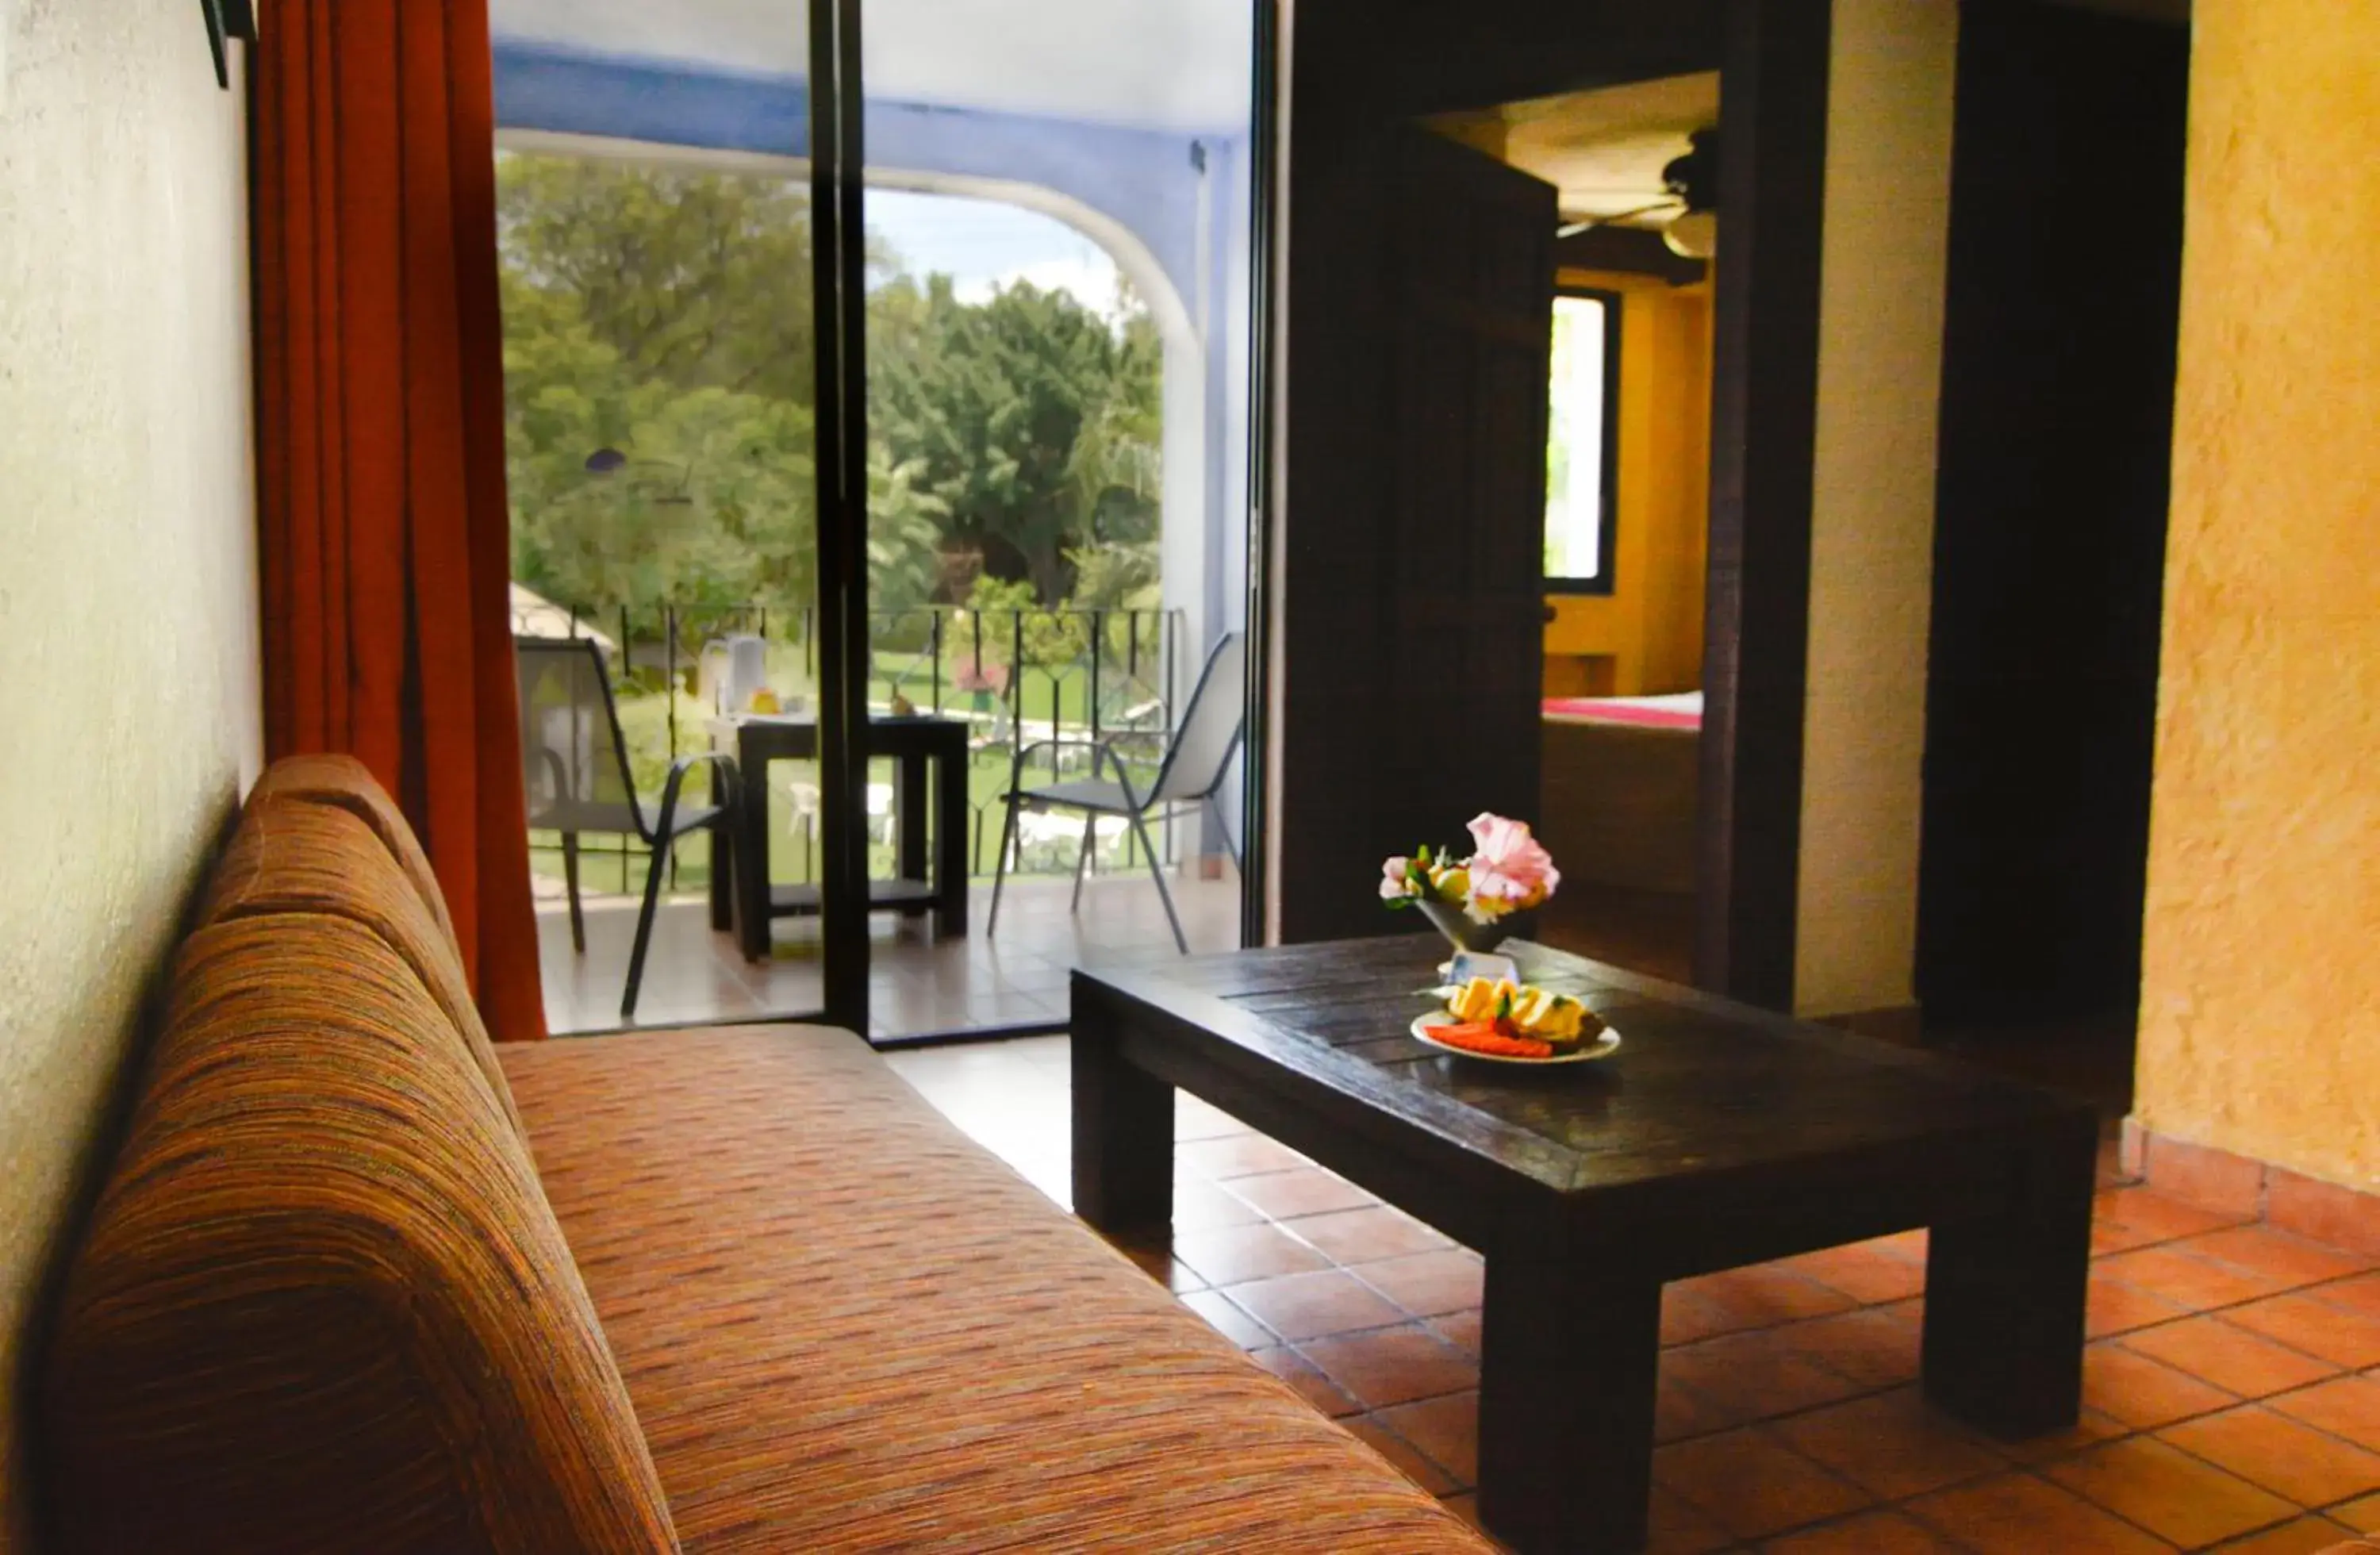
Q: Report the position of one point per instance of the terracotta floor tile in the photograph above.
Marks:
(2307, 1535)
(2169, 1492)
(2362, 1516)
(1876, 1348)
(1409, 1461)
(2233, 1359)
(2360, 1294)
(2127, 1218)
(2348, 1406)
(1228, 1320)
(1752, 1485)
(2019, 1514)
(1234, 1255)
(1686, 1317)
(1873, 1532)
(1193, 1119)
(1301, 1190)
(1199, 1205)
(1674, 1528)
(1459, 1329)
(2198, 1283)
(1394, 1366)
(1749, 1377)
(1864, 1272)
(1428, 1285)
(1366, 1236)
(2088, 1431)
(1239, 1155)
(1310, 1306)
(2115, 1308)
(1679, 1412)
(1160, 1265)
(2302, 1322)
(2276, 1254)
(1892, 1445)
(1446, 1429)
(2309, 1466)
(2143, 1393)
(1766, 1294)
(1307, 1379)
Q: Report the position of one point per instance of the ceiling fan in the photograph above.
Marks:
(1690, 187)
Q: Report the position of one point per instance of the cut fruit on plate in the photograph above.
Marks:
(1480, 1040)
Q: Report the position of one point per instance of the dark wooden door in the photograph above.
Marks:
(1413, 629)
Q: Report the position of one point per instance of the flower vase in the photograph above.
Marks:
(1459, 926)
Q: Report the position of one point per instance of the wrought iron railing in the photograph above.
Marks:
(1068, 674)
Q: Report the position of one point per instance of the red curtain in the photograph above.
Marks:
(384, 553)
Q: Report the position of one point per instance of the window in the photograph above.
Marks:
(1581, 435)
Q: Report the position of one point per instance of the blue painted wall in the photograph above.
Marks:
(1142, 179)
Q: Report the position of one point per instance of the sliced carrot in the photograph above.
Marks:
(1481, 1036)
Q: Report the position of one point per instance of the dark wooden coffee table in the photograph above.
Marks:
(1717, 1135)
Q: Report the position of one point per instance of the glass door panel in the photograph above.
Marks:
(1059, 329)
(661, 423)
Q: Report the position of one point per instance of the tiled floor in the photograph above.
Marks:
(918, 985)
(2233, 1385)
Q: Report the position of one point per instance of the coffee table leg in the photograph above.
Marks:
(1124, 1128)
(1571, 1348)
(2004, 1296)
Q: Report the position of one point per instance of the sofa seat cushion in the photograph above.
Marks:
(845, 1325)
(323, 1304)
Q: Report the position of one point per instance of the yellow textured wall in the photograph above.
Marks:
(1650, 626)
(2260, 1014)
(129, 703)
(1889, 116)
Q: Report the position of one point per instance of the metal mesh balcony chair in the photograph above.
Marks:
(574, 762)
(1197, 757)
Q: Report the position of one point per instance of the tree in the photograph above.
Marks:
(1024, 413)
(658, 368)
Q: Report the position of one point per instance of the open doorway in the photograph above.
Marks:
(1627, 502)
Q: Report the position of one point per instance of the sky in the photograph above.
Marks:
(983, 244)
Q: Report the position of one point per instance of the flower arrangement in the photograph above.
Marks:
(1508, 871)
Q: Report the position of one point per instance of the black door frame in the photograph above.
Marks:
(839, 297)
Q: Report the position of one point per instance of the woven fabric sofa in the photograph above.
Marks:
(358, 1278)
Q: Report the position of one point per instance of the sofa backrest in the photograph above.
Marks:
(322, 1303)
(292, 855)
(346, 784)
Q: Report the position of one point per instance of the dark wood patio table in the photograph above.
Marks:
(915, 743)
(1717, 1135)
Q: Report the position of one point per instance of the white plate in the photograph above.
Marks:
(1602, 1047)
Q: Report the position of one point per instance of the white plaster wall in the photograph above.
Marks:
(1889, 137)
(129, 685)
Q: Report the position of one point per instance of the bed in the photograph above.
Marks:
(1618, 786)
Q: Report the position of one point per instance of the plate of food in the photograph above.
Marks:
(1504, 1022)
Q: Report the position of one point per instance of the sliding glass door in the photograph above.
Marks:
(879, 388)
(1058, 202)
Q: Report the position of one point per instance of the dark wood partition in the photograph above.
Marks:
(2058, 373)
(1764, 422)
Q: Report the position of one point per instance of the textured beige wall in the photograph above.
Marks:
(1886, 242)
(2260, 1014)
(129, 705)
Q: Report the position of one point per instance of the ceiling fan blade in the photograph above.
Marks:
(1572, 228)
